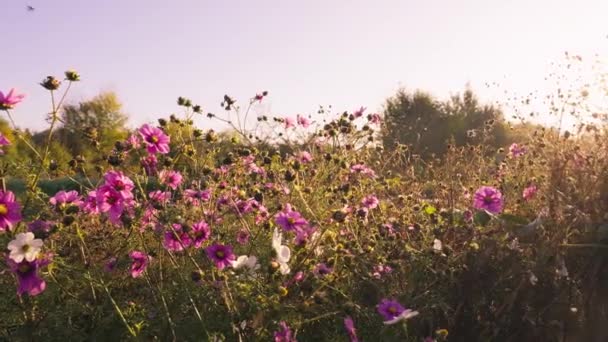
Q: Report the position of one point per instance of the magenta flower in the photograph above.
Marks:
(140, 261)
(488, 198)
(176, 239)
(63, 199)
(321, 270)
(303, 121)
(9, 100)
(110, 265)
(221, 255)
(370, 202)
(242, 236)
(529, 192)
(201, 232)
(111, 202)
(3, 142)
(119, 182)
(10, 211)
(89, 205)
(362, 169)
(284, 333)
(349, 325)
(304, 157)
(359, 112)
(27, 276)
(40, 228)
(390, 309)
(155, 139)
(516, 150)
(149, 163)
(289, 122)
(170, 178)
(133, 141)
(290, 220)
(195, 197)
(374, 118)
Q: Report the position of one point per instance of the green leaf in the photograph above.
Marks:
(481, 218)
(513, 219)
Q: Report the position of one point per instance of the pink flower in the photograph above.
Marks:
(374, 118)
(133, 141)
(27, 275)
(149, 163)
(176, 239)
(349, 325)
(195, 197)
(359, 113)
(304, 157)
(303, 121)
(529, 192)
(242, 236)
(139, 263)
(289, 122)
(221, 255)
(290, 220)
(63, 199)
(488, 198)
(516, 151)
(155, 139)
(201, 232)
(3, 142)
(89, 205)
(9, 100)
(170, 178)
(370, 202)
(10, 211)
(119, 182)
(362, 169)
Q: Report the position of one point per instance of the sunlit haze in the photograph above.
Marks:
(305, 53)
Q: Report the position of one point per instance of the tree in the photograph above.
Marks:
(90, 128)
(426, 124)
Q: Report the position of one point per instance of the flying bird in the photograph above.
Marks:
(30, 8)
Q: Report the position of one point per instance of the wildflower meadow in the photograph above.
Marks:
(322, 227)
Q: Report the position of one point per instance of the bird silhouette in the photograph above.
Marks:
(30, 8)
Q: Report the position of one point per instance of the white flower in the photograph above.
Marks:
(283, 252)
(533, 279)
(437, 245)
(243, 261)
(405, 315)
(25, 246)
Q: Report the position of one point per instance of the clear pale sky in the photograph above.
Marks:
(346, 53)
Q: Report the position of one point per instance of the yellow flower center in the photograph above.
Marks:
(219, 254)
(154, 139)
(3, 209)
(392, 309)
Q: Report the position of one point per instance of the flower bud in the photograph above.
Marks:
(50, 83)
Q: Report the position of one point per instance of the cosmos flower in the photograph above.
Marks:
(349, 325)
(393, 312)
(289, 122)
(3, 142)
(303, 121)
(362, 169)
(283, 253)
(284, 333)
(245, 262)
(27, 275)
(195, 197)
(10, 211)
(529, 192)
(290, 220)
(516, 150)
(321, 270)
(155, 139)
(304, 157)
(201, 233)
(488, 198)
(221, 255)
(170, 178)
(370, 202)
(176, 239)
(9, 100)
(62, 199)
(24, 247)
(359, 112)
(242, 236)
(140, 261)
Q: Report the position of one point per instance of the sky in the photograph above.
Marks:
(344, 53)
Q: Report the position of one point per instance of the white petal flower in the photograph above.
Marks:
(283, 252)
(405, 315)
(24, 247)
(437, 245)
(244, 261)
